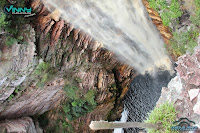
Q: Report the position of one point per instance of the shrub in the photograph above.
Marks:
(165, 115)
(195, 18)
(183, 42)
(42, 67)
(44, 73)
(12, 23)
(89, 97)
(168, 12)
(72, 92)
(78, 105)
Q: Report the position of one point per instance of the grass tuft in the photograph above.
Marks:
(165, 115)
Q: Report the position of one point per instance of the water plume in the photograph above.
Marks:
(123, 26)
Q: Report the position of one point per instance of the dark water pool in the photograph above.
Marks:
(142, 96)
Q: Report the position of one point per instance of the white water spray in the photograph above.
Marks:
(123, 26)
(123, 119)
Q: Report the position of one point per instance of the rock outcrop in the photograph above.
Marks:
(19, 97)
(183, 89)
(15, 63)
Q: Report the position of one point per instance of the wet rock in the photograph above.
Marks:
(48, 27)
(35, 4)
(44, 21)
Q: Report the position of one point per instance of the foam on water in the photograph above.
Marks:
(123, 26)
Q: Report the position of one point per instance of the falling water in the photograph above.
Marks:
(123, 26)
(123, 119)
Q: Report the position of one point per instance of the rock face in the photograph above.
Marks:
(18, 95)
(164, 30)
(25, 125)
(15, 63)
(34, 101)
(188, 68)
(184, 90)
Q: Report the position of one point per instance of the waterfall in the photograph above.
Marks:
(123, 119)
(122, 26)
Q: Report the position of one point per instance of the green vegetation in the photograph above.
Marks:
(196, 17)
(41, 68)
(181, 41)
(78, 105)
(44, 73)
(10, 97)
(68, 126)
(10, 40)
(43, 119)
(58, 126)
(17, 89)
(12, 23)
(169, 12)
(3, 23)
(164, 115)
